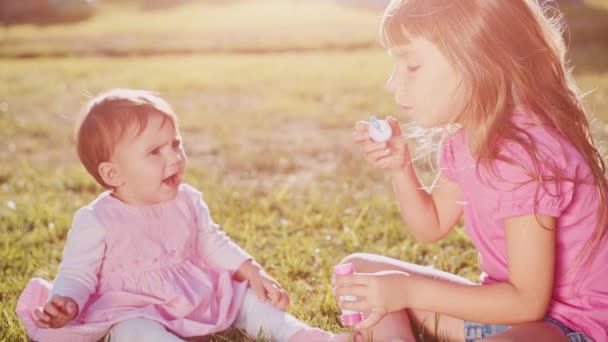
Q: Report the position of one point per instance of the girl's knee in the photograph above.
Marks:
(363, 262)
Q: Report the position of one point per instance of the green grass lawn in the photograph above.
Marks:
(267, 93)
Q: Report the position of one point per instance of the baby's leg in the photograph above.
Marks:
(398, 326)
(276, 323)
(139, 329)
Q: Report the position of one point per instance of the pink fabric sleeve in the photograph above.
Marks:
(213, 245)
(519, 194)
(82, 257)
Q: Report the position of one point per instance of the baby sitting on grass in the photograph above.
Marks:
(145, 261)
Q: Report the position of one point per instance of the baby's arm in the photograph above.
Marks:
(213, 245)
(264, 286)
(76, 279)
(218, 250)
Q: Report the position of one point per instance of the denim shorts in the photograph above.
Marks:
(474, 331)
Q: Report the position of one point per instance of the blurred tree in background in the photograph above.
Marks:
(45, 11)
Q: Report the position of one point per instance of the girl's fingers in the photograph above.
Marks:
(373, 146)
(395, 126)
(354, 306)
(375, 156)
(388, 162)
(351, 290)
(361, 133)
(362, 126)
(350, 279)
(371, 321)
(361, 137)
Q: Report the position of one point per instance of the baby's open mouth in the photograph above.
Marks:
(172, 180)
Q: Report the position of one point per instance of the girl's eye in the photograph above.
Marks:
(413, 68)
(155, 151)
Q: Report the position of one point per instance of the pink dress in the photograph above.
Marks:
(166, 262)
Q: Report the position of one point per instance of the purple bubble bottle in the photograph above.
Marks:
(348, 318)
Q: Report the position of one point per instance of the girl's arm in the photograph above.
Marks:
(524, 297)
(428, 214)
(82, 257)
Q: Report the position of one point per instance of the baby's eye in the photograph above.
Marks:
(155, 151)
(177, 143)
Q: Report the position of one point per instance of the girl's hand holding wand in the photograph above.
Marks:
(393, 154)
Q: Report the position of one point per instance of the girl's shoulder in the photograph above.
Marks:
(539, 143)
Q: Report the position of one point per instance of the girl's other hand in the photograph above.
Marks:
(378, 294)
(56, 313)
(393, 154)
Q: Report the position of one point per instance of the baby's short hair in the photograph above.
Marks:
(105, 120)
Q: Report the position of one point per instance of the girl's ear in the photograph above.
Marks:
(110, 175)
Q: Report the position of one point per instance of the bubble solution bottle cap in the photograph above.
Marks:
(348, 317)
(379, 130)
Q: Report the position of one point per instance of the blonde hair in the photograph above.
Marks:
(106, 119)
(509, 54)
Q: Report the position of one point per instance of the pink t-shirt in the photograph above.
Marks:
(580, 299)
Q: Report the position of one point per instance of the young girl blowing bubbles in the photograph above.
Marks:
(520, 165)
(145, 261)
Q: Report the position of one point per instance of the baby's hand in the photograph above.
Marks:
(266, 287)
(56, 313)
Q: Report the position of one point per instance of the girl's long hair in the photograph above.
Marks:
(509, 54)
